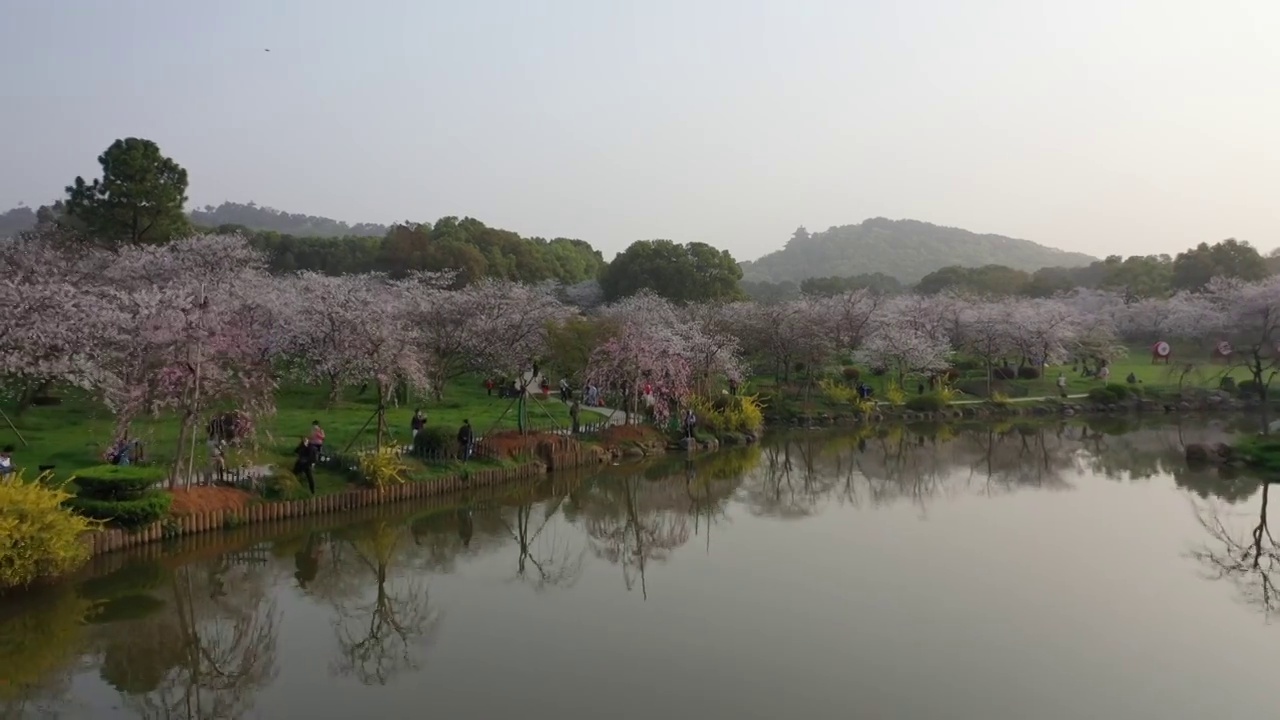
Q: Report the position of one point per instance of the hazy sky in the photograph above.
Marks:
(1123, 126)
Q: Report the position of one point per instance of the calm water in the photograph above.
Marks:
(1052, 571)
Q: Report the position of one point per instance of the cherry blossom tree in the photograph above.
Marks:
(671, 352)
(362, 330)
(849, 316)
(713, 350)
(180, 336)
(911, 336)
(491, 326)
(1043, 330)
(784, 334)
(55, 329)
(987, 332)
(1247, 315)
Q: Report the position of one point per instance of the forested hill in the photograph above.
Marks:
(258, 217)
(250, 216)
(904, 249)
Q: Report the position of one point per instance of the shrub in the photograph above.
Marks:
(1249, 389)
(850, 373)
(895, 395)
(117, 482)
(734, 413)
(126, 513)
(1029, 372)
(1004, 373)
(999, 399)
(1121, 393)
(926, 403)
(282, 485)
(864, 406)
(382, 468)
(837, 393)
(1110, 394)
(39, 537)
(1228, 384)
(947, 393)
(966, 365)
(435, 443)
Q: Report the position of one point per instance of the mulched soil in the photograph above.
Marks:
(208, 499)
(619, 435)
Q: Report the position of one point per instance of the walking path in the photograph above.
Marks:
(1022, 400)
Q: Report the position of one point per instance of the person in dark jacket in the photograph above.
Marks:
(419, 421)
(465, 440)
(306, 454)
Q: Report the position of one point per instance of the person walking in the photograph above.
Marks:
(6, 461)
(317, 439)
(1062, 384)
(418, 422)
(306, 457)
(466, 438)
(690, 422)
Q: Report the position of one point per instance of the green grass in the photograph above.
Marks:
(74, 435)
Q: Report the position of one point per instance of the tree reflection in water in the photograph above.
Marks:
(380, 637)
(208, 642)
(545, 556)
(207, 652)
(1249, 561)
(882, 465)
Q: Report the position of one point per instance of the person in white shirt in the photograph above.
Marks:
(6, 461)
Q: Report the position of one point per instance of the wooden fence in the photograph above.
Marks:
(106, 541)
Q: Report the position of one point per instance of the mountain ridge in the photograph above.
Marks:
(904, 249)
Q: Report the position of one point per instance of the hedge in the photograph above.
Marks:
(117, 482)
(126, 513)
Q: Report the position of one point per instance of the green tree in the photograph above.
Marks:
(985, 280)
(1193, 269)
(829, 286)
(1138, 276)
(138, 199)
(695, 272)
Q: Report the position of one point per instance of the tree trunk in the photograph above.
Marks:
(179, 455)
(382, 416)
(30, 393)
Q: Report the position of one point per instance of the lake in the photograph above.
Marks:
(1056, 570)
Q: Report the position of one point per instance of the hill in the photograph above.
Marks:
(904, 249)
(264, 219)
(250, 216)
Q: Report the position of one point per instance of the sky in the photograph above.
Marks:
(1135, 127)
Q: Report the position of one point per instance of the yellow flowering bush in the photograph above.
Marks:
(734, 413)
(39, 537)
(382, 468)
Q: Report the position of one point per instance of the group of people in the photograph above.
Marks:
(466, 435)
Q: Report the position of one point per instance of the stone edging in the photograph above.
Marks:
(106, 541)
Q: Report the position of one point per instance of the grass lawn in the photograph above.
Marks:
(74, 434)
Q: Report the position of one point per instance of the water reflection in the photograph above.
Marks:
(196, 633)
(1248, 560)
(383, 620)
(195, 641)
